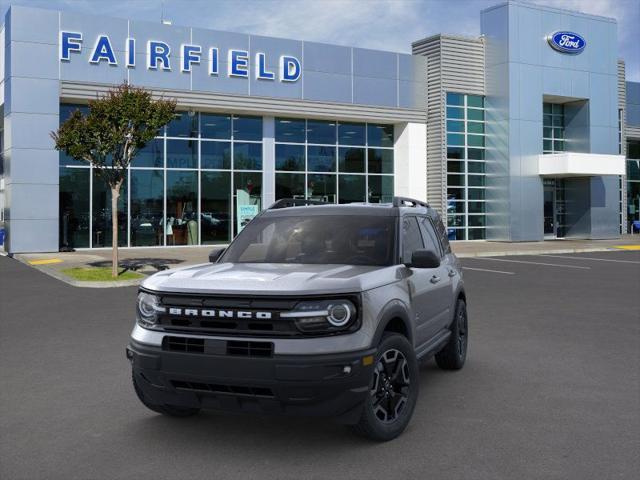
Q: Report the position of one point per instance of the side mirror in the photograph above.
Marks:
(215, 254)
(424, 259)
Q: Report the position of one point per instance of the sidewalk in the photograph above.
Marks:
(149, 258)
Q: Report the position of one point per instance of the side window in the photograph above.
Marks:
(430, 237)
(441, 231)
(411, 238)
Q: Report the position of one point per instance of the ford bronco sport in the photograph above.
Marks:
(313, 309)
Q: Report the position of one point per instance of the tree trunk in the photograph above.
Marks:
(115, 193)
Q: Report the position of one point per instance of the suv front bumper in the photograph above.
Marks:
(332, 385)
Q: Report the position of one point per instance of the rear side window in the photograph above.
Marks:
(431, 241)
(441, 231)
(411, 238)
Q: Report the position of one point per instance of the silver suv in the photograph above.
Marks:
(313, 309)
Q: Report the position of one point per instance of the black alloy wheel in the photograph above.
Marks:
(391, 384)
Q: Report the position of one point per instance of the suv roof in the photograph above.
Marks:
(295, 206)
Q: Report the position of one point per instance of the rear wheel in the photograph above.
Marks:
(393, 391)
(454, 353)
(169, 410)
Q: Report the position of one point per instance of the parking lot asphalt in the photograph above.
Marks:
(551, 389)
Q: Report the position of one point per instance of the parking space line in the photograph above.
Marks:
(486, 270)
(532, 263)
(591, 258)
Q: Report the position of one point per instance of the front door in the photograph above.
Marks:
(555, 208)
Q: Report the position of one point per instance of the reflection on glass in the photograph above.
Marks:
(247, 156)
(215, 126)
(101, 215)
(74, 207)
(147, 188)
(380, 189)
(290, 130)
(380, 161)
(289, 185)
(455, 98)
(379, 135)
(321, 159)
(351, 133)
(247, 128)
(184, 124)
(182, 208)
(351, 160)
(151, 155)
(321, 187)
(290, 157)
(215, 207)
(352, 188)
(215, 155)
(320, 131)
(247, 190)
(182, 153)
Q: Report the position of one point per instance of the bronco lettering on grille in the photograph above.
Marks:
(215, 313)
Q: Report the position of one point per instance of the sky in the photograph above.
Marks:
(378, 24)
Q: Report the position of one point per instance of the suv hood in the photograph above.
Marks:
(268, 278)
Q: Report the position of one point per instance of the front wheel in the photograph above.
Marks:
(393, 390)
(454, 353)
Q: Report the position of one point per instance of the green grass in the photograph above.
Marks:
(98, 274)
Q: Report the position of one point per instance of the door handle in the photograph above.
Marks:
(452, 273)
(435, 279)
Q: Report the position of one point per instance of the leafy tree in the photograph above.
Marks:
(117, 126)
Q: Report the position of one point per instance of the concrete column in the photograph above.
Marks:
(31, 111)
(410, 160)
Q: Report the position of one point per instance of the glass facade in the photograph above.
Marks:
(183, 188)
(187, 185)
(633, 184)
(552, 128)
(465, 130)
(333, 161)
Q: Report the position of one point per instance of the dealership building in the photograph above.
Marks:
(525, 133)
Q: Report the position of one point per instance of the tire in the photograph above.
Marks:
(169, 410)
(393, 392)
(454, 353)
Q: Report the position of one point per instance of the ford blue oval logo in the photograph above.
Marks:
(567, 42)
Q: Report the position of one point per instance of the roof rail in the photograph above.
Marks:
(403, 201)
(295, 202)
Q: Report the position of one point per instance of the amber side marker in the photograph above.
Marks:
(368, 360)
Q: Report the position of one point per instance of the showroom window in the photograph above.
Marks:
(552, 128)
(338, 162)
(186, 187)
(465, 130)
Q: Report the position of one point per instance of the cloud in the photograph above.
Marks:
(378, 24)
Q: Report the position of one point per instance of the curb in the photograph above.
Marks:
(81, 284)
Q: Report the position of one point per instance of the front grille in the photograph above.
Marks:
(250, 391)
(182, 344)
(228, 326)
(250, 349)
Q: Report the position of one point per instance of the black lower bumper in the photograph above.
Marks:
(313, 385)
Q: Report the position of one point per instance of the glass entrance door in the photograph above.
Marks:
(555, 208)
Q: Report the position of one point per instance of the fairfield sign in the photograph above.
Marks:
(159, 56)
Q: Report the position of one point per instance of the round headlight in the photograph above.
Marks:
(339, 314)
(148, 308)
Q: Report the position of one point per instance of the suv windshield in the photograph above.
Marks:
(316, 239)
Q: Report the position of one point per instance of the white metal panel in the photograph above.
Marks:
(573, 164)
